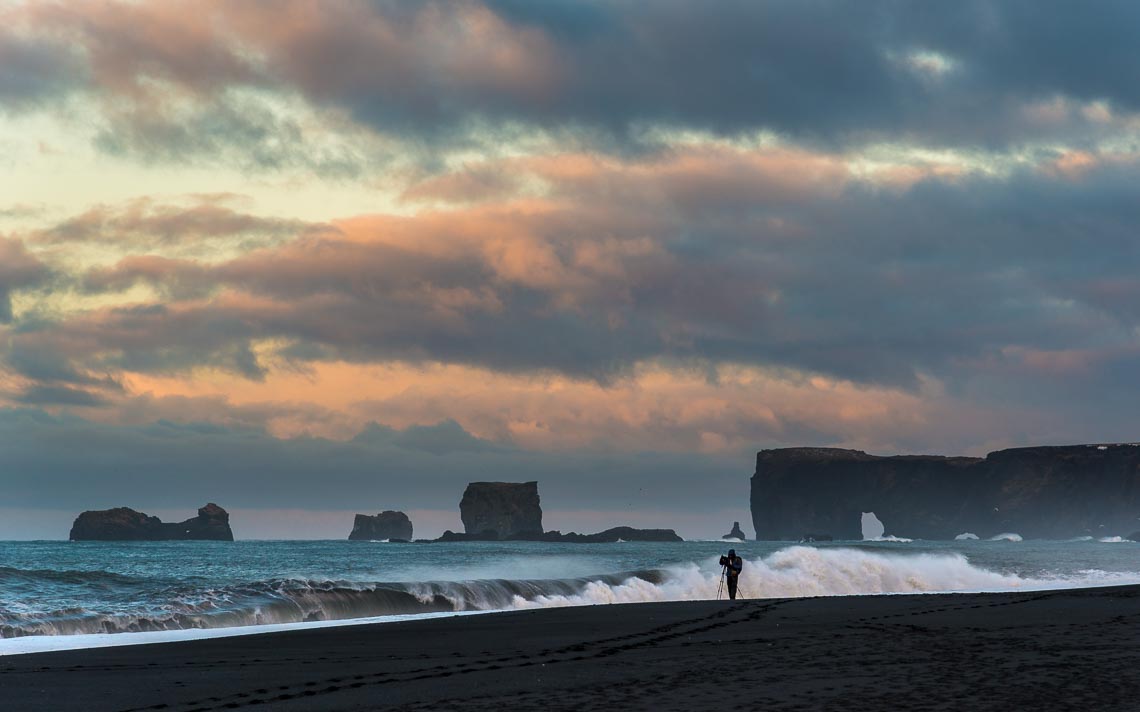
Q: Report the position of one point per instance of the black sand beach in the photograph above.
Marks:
(1058, 650)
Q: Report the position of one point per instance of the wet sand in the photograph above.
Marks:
(1059, 650)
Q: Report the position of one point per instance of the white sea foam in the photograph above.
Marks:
(1114, 540)
(965, 536)
(1006, 536)
(799, 571)
(891, 537)
(47, 643)
(1082, 538)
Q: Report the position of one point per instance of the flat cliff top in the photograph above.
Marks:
(834, 454)
(822, 454)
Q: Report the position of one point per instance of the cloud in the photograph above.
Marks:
(179, 79)
(19, 269)
(32, 72)
(146, 221)
(60, 395)
(766, 256)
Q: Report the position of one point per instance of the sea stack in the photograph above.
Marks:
(1037, 492)
(385, 525)
(508, 509)
(125, 524)
(736, 533)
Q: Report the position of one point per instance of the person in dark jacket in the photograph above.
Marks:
(732, 565)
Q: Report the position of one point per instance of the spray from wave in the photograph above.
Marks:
(795, 571)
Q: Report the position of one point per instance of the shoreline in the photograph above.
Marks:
(36, 644)
(1056, 649)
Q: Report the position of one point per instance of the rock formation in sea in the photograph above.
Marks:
(1037, 492)
(505, 508)
(612, 535)
(125, 524)
(736, 533)
(385, 525)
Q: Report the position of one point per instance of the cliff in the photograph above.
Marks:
(505, 508)
(1037, 492)
(125, 524)
(385, 525)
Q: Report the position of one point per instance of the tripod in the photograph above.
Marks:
(720, 588)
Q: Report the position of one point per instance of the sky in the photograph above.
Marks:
(307, 259)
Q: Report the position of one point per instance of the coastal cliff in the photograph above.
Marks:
(1037, 492)
(385, 525)
(125, 524)
(505, 508)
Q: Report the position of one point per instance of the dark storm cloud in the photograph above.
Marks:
(831, 72)
(67, 462)
(837, 72)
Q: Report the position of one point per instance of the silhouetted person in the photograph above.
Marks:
(732, 565)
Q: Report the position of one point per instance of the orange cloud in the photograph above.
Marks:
(658, 407)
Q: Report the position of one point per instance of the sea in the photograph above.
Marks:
(58, 595)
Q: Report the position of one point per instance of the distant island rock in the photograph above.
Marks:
(385, 525)
(510, 511)
(613, 535)
(505, 508)
(812, 538)
(736, 533)
(1037, 492)
(125, 524)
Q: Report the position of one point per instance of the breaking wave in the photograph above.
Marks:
(285, 601)
(1006, 536)
(794, 571)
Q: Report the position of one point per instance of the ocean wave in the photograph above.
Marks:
(794, 571)
(1114, 540)
(12, 576)
(296, 601)
(1006, 536)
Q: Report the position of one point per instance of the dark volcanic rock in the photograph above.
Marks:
(449, 535)
(608, 536)
(1037, 492)
(385, 525)
(809, 538)
(124, 524)
(735, 533)
(506, 508)
(631, 534)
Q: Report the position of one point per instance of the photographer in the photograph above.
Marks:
(732, 565)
